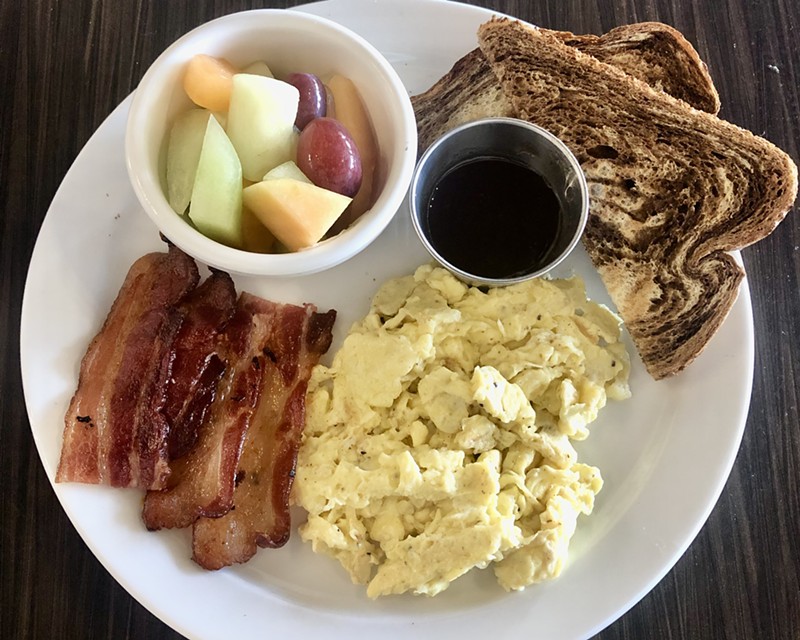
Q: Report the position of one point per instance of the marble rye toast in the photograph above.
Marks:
(657, 54)
(651, 51)
(673, 189)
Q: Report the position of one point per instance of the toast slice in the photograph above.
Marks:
(652, 51)
(657, 54)
(672, 189)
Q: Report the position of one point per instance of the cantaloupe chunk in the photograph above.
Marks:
(208, 81)
(330, 108)
(352, 113)
(297, 213)
(255, 236)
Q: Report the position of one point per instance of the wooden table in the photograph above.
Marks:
(66, 65)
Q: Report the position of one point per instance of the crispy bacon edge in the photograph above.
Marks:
(261, 515)
(194, 374)
(202, 482)
(113, 433)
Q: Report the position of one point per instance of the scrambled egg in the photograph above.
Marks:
(439, 439)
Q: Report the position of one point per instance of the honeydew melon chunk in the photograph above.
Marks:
(216, 206)
(183, 153)
(297, 213)
(222, 118)
(287, 170)
(259, 68)
(261, 123)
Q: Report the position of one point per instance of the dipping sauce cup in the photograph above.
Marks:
(499, 201)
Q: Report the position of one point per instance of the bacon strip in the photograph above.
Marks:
(261, 518)
(194, 374)
(202, 481)
(113, 430)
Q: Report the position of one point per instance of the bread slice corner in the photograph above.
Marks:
(673, 189)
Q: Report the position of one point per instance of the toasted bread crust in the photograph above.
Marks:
(654, 52)
(469, 91)
(672, 188)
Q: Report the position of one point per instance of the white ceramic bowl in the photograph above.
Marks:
(288, 41)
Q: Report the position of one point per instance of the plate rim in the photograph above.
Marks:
(164, 616)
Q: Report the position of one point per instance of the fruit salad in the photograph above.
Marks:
(266, 164)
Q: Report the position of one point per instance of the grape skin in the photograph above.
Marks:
(313, 98)
(327, 154)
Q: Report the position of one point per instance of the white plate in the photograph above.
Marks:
(665, 454)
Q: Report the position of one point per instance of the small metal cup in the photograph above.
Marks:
(516, 141)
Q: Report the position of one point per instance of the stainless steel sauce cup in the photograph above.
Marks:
(515, 141)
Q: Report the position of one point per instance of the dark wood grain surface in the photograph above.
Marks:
(66, 65)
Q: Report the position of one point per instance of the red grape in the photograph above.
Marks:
(328, 156)
(313, 98)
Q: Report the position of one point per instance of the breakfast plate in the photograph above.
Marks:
(665, 454)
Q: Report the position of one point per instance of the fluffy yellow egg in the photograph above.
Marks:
(439, 439)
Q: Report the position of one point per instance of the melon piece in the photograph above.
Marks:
(216, 207)
(255, 236)
(261, 123)
(287, 170)
(222, 118)
(259, 68)
(330, 110)
(208, 81)
(352, 113)
(183, 154)
(297, 213)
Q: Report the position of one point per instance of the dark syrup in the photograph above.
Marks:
(493, 218)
